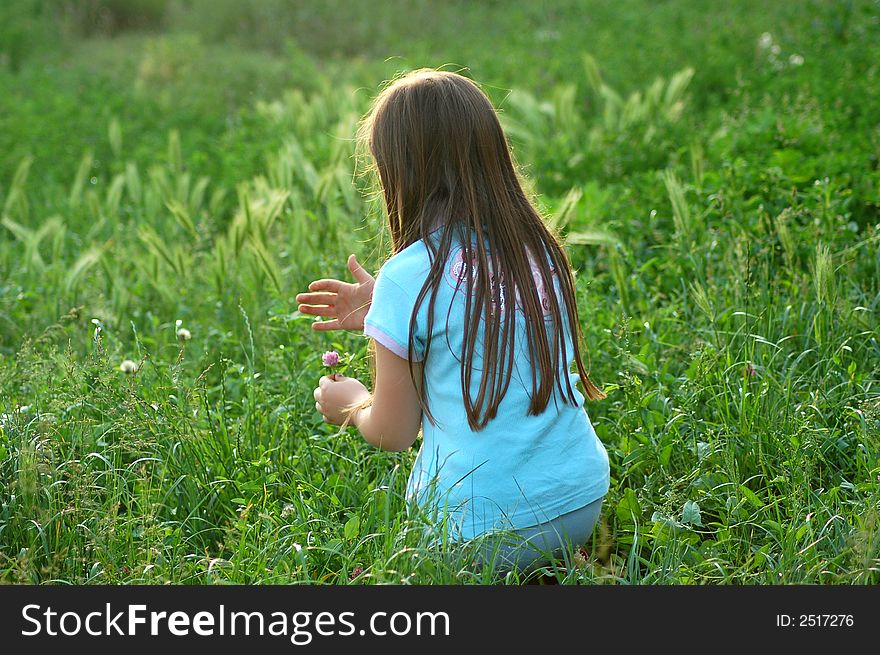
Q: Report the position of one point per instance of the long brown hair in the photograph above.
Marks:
(444, 165)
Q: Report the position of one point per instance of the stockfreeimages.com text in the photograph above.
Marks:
(300, 627)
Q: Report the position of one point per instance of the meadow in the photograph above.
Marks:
(714, 169)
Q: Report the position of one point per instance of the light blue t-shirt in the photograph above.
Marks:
(519, 470)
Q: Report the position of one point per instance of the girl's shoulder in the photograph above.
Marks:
(410, 264)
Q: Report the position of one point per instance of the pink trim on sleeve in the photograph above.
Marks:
(388, 341)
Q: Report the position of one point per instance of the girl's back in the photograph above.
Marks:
(518, 471)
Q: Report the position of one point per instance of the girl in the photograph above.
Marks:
(472, 319)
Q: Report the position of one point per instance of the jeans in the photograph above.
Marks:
(529, 548)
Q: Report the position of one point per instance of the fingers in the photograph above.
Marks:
(360, 274)
(333, 286)
(326, 326)
(316, 394)
(318, 310)
(316, 298)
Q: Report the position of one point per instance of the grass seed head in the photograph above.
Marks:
(823, 275)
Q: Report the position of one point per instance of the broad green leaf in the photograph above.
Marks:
(690, 514)
(352, 528)
(751, 496)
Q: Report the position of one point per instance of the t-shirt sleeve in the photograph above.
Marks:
(387, 320)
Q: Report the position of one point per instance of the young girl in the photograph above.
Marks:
(472, 319)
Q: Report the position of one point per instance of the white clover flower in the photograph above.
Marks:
(775, 50)
(765, 40)
(183, 334)
(128, 367)
(796, 60)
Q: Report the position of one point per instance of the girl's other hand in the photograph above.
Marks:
(336, 394)
(343, 303)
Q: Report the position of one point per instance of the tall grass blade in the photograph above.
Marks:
(82, 175)
(16, 196)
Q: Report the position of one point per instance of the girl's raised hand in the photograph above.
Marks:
(343, 303)
(335, 395)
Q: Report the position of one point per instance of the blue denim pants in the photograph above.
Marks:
(529, 548)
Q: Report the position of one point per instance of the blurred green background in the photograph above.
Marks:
(712, 166)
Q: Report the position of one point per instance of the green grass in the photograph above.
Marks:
(719, 199)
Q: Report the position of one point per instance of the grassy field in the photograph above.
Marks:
(713, 167)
